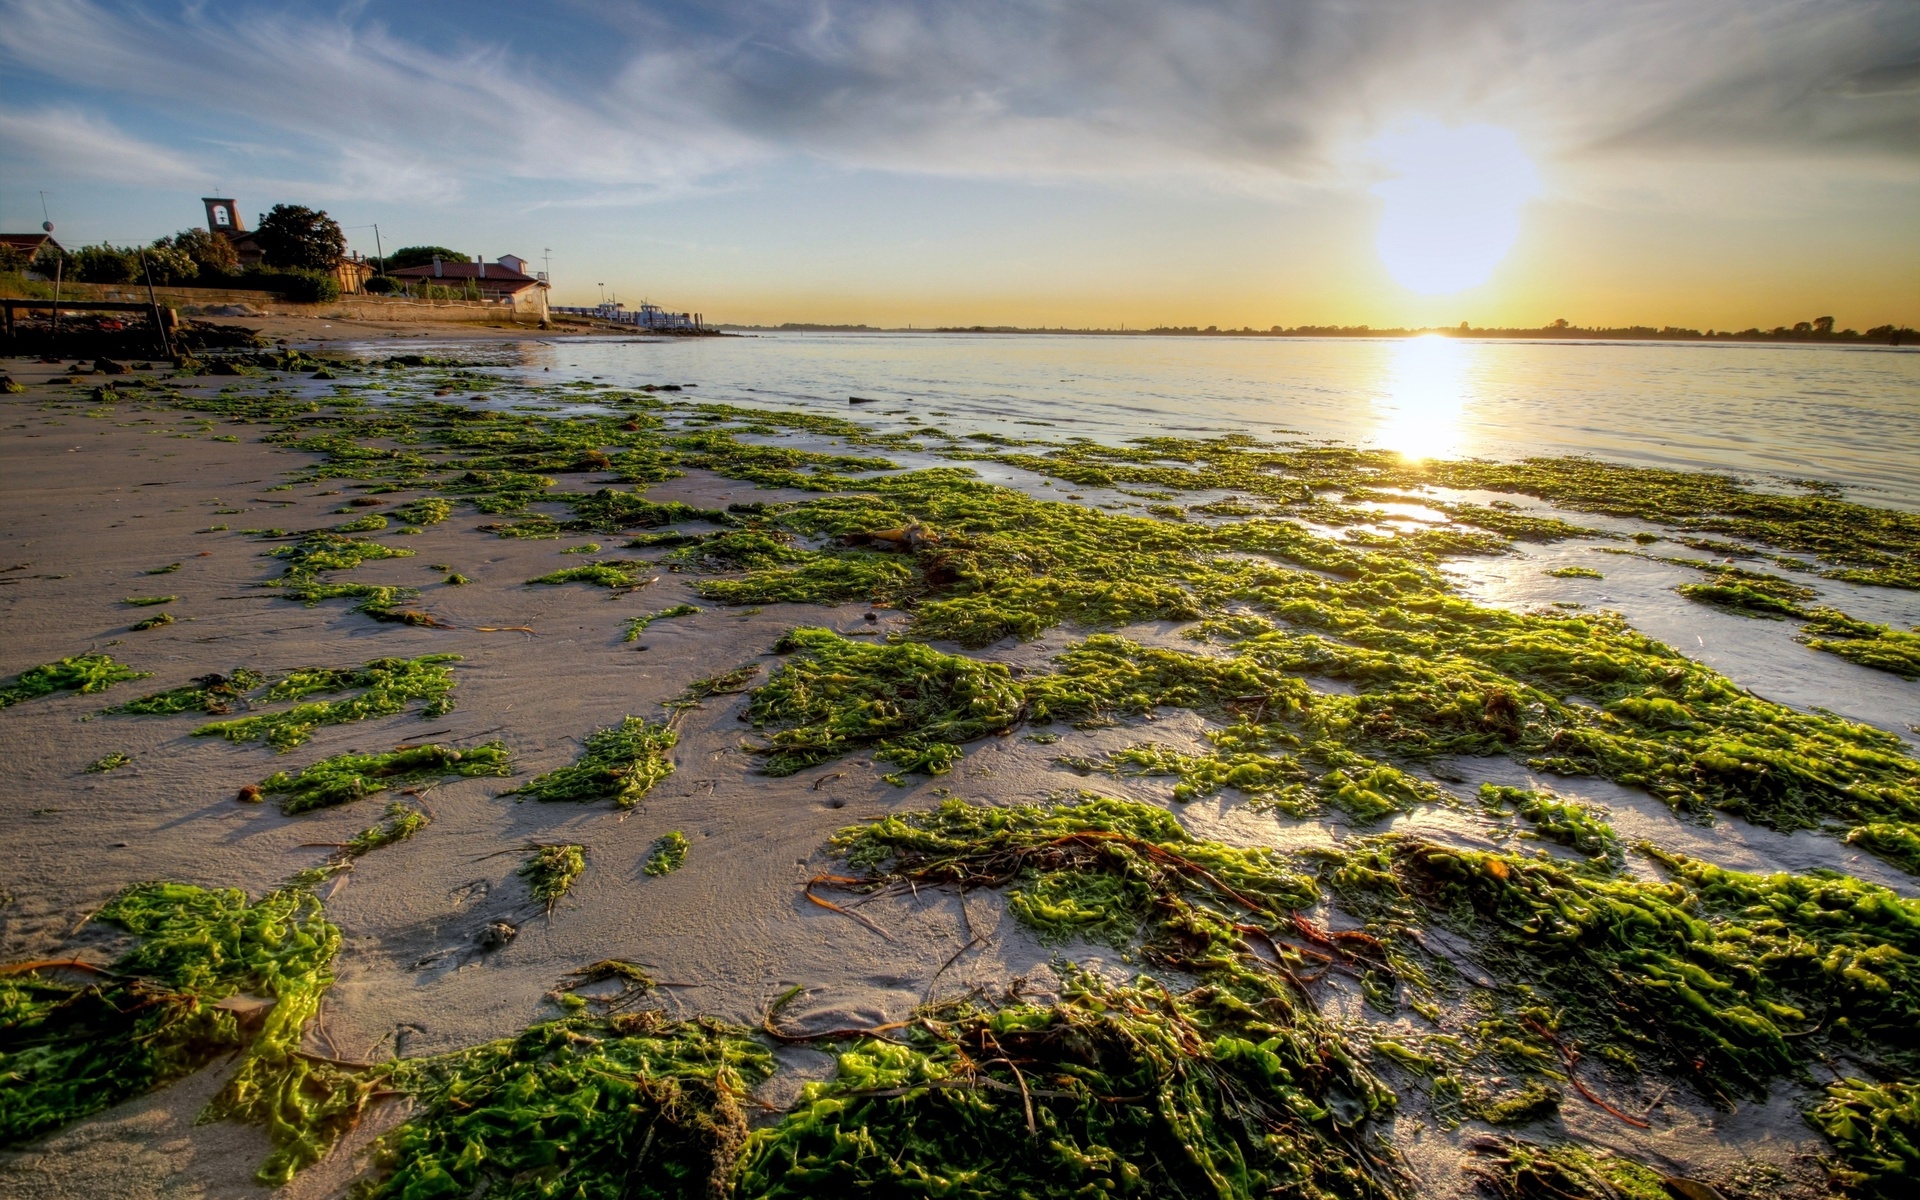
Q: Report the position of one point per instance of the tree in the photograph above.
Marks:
(211, 253)
(13, 260)
(292, 236)
(103, 263)
(166, 264)
(420, 256)
(1823, 325)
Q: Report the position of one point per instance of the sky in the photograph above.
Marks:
(1705, 163)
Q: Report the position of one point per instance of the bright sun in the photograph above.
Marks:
(1452, 203)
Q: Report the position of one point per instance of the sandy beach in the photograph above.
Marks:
(134, 500)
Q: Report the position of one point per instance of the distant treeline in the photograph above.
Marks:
(1820, 329)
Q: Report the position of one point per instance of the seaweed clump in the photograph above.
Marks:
(385, 686)
(1876, 1129)
(630, 1105)
(214, 694)
(1236, 1088)
(172, 1003)
(619, 763)
(85, 673)
(1728, 978)
(668, 855)
(619, 574)
(551, 870)
(345, 778)
(638, 625)
(1516, 1170)
(913, 704)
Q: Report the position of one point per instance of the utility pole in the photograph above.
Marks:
(153, 308)
(379, 251)
(59, 269)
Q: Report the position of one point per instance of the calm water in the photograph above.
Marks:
(1849, 415)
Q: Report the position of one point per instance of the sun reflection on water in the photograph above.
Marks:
(1424, 398)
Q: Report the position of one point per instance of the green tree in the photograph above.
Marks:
(211, 253)
(13, 260)
(1823, 325)
(103, 263)
(295, 237)
(167, 264)
(420, 256)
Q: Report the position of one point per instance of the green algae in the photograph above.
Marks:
(156, 621)
(1516, 1170)
(148, 601)
(1870, 645)
(1572, 823)
(384, 686)
(1875, 1127)
(345, 778)
(584, 548)
(638, 625)
(400, 822)
(85, 673)
(109, 762)
(215, 694)
(1111, 1091)
(668, 854)
(1727, 979)
(610, 511)
(1575, 573)
(1096, 868)
(630, 1105)
(621, 763)
(427, 510)
(1534, 1101)
(173, 1003)
(550, 871)
(911, 704)
(320, 552)
(619, 574)
(1235, 1088)
(725, 683)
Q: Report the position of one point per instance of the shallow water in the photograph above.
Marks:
(1850, 415)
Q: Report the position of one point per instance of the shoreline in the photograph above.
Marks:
(731, 930)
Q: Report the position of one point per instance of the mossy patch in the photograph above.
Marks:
(164, 1009)
(668, 854)
(911, 704)
(621, 763)
(384, 686)
(84, 673)
(215, 694)
(628, 1105)
(550, 871)
(345, 778)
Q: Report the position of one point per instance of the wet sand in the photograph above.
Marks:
(87, 505)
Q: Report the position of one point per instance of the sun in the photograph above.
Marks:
(1452, 203)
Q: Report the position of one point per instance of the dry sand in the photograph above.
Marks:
(89, 504)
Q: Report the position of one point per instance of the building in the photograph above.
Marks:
(223, 217)
(503, 280)
(29, 245)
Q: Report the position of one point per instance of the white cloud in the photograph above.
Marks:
(1255, 95)
(74, 145)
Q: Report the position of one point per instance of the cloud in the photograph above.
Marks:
(80, 146)
(647, 99)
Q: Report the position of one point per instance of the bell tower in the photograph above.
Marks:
(223, 215)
